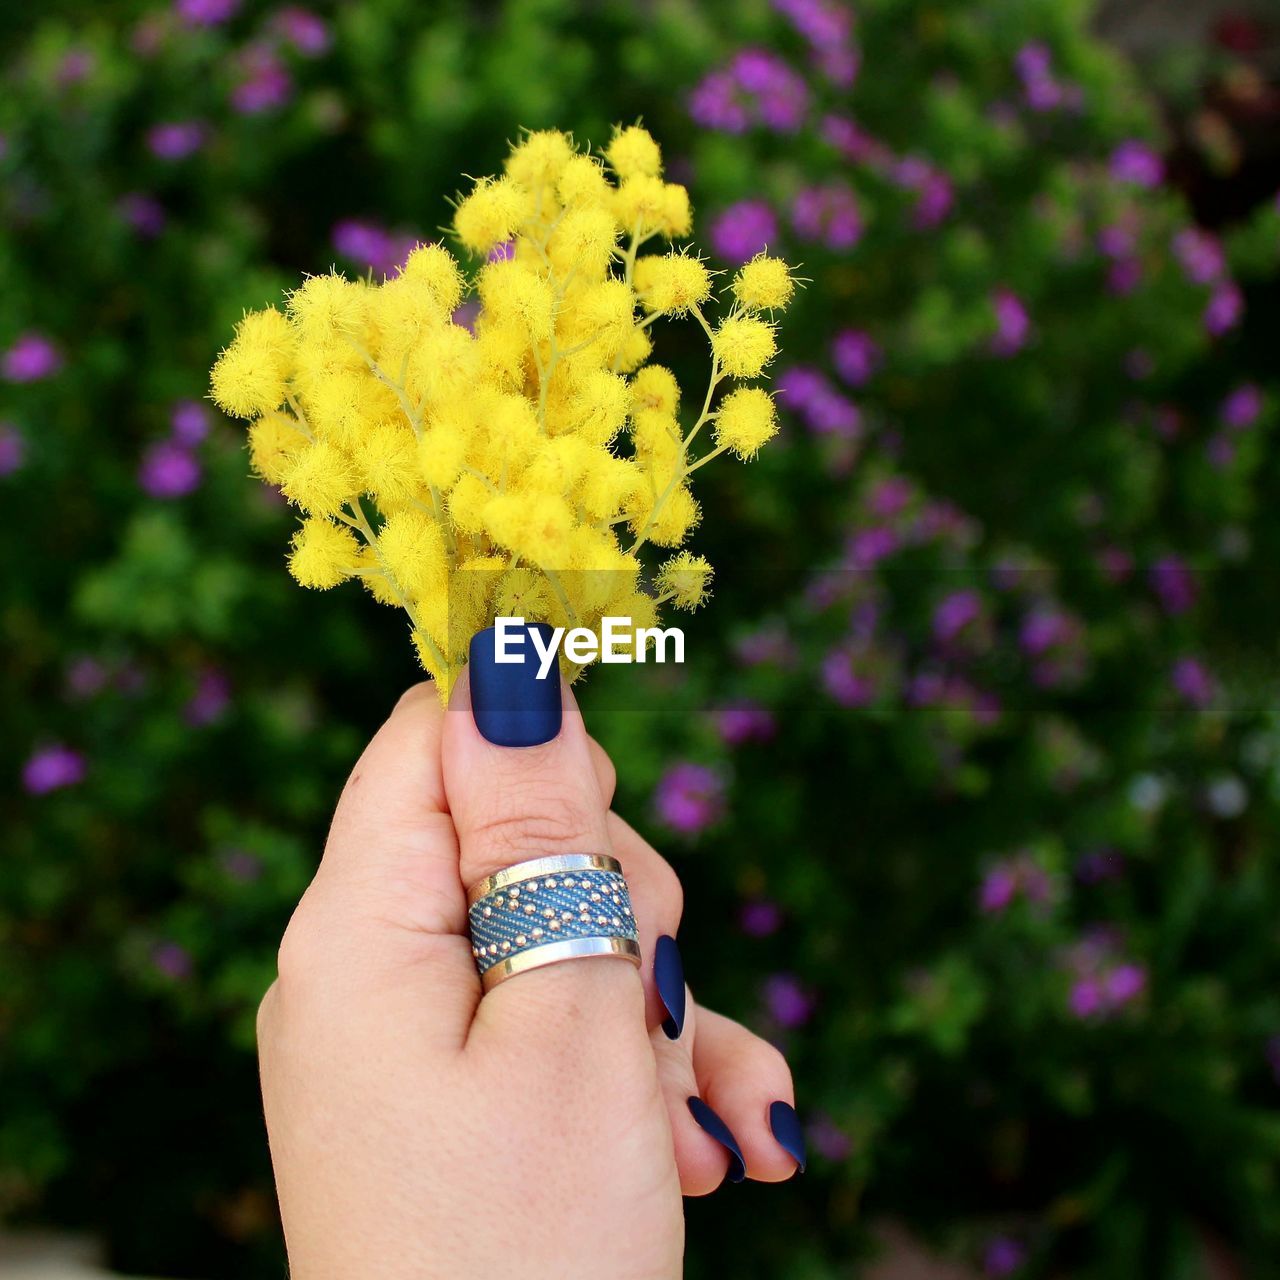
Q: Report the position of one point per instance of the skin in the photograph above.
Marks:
(419, 1131)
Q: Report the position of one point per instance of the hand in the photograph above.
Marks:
(418, 1130)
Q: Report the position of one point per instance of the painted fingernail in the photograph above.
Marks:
(668, 977)
(787, 1131)
(513, 705)
(721, 1132)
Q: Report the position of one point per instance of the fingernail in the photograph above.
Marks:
(721, 1132)
(512, 705)
(787, 1131)
(668, 977)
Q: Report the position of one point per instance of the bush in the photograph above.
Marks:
(976, 823)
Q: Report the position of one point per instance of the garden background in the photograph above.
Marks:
(973, 778)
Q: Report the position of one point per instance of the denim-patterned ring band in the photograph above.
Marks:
(563, 907)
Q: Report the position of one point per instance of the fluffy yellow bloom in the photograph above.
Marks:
(250, 376)
(764, 284)
(583, 184)
(634, 153)
(540, 159)
(686, 579)
(321, 479)
(744, 345)
(323, 554)
(434, 267)
(747, 419)
(273, 442)
(411, 546)
(672, 284)
(525, 463)
(655, 387)
(492, 212)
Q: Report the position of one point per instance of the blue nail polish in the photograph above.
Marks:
(721, 1132)
(511, 705)
(668, 977)
(787, 1131)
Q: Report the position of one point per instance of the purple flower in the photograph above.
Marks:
(1200, 255)
(75, 65)
(768, 645)
(32, 358)
(1124, 277)
(1136, 163)
(853, 142)
(382, 251)
(169, 470)
(1242, 408)
(780, 95)
(210, 701)
(828, 28)
(759, 918)
(850, 676)
(241, 866)
(1224, 309)
(13, 449)
(189, 420)
(177, 139)
(1174, 584)
(890, 497)
(690, 798)
(825, 411)
(1085, 997)
(956, 612)
(717, 103)
(1013, 324)
(827, 214)
(934, 200)
(52, 767)
(744, 721)
(1003, 1256)
(306, 31)
(265, 83)
(855, 355)
(1192, 681)
(787, 1001)
(1124, 983)
(85, 677)
(867, 547)
(828, 1139)
(171, 961)
(1099, 865)
(743, 230)
(1017, 877)
(143, 213)
(205, 13)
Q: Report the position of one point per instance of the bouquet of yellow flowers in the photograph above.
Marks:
(518, 466)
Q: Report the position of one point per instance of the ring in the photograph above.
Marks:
(549, 909)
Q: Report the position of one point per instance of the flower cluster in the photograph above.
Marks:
(519, 465)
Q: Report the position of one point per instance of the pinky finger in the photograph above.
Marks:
(748, 1084)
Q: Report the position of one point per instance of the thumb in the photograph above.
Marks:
(520, 783)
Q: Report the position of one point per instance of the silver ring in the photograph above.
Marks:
(545, 910)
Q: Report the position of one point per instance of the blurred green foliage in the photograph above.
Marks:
(1001, 618)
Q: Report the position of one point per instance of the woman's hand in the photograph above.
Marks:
(546, 1130)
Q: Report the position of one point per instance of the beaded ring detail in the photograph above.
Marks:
(539, 912)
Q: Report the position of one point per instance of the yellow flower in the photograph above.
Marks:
(764, 284)
(745, 421)
(634, 153)
(321, 479)
(526, 463)
(323, 554)
(411, 546)
(540, 159)
(492, 213)
(744, 345)
(250, 376)
(673, 284)
(686, 579)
